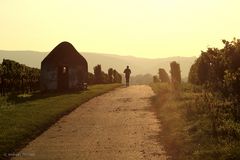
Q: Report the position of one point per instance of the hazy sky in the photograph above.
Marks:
(142, 28)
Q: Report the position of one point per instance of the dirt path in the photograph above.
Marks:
(116, 125)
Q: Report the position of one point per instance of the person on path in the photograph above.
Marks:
(127, 72)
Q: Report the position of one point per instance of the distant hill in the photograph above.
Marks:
(137, 65)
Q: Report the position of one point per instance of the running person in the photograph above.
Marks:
(127, 72)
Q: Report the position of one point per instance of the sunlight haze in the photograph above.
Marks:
(141, 28)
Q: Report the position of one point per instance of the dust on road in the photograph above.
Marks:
(116, 125)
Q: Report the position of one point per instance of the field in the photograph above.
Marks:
(25, 117)
(196, 125)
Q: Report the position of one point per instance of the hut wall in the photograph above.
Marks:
(48, 78)
(73, 77)
(77, 76)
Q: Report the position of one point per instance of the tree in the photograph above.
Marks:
(175, 72)
(91, 78)
(110, 75)
(117, 77)
(163, 76)
(98, 74)
(218, 69)
(105, 77)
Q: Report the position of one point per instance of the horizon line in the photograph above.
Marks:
(101, 53)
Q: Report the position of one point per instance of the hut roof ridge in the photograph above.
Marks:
(63, 50)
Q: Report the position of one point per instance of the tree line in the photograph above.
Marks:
(100, 77)
(16, 78)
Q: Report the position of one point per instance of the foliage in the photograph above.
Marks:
(18, 78)
(175, 75)
(117, 77)
(105, 79)
(231, 81)
(91, 78)
(175, 72)
(102, 78)
(98, 74)
(155, 79)
(218, 69)
(163, 76)
(110, 75)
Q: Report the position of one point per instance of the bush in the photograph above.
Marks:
(163, 76)
(18, 78)
(218, 69)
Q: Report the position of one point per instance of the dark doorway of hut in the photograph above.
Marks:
(63, 78)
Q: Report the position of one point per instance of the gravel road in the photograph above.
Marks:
(118, 125)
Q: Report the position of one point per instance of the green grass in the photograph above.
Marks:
(197, 125)
(23, 118)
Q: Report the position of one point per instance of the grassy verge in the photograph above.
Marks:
(197, 125)
(24, 118)
(173, 135)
